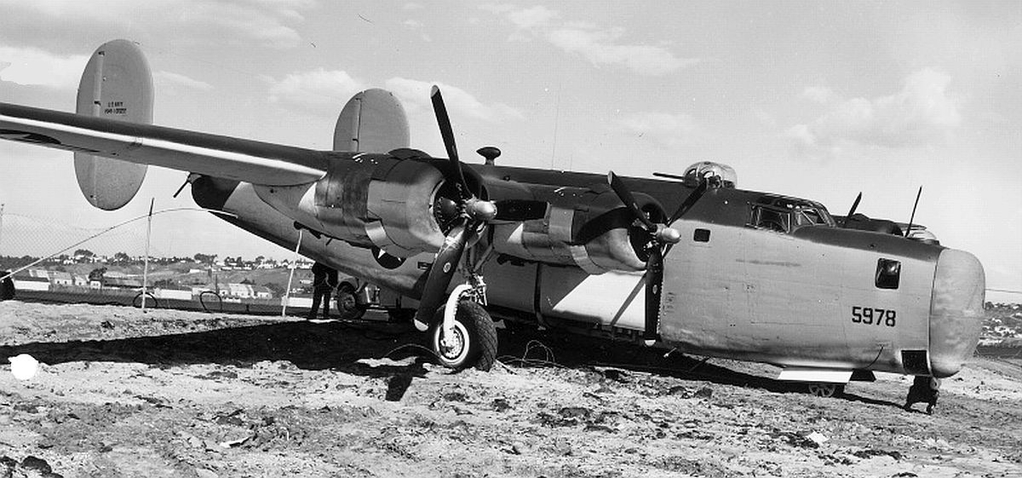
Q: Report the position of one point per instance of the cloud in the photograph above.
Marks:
(666, 129)
(921, 113)
(601, 46)
(318, 91)
(534, 17)
(417, 26)
(181, 80)
(265, 23)
(819, 94)
(32, 66)
(260, 22)
(414, 94)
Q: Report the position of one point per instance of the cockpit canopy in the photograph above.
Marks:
(785, 214)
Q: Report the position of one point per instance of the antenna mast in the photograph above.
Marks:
(913, 216)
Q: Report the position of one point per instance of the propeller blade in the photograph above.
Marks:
(447, 133)
(855, 205)
(626, 197)
(654, 281)
(443, 269)
(520, 210)
(689, 201)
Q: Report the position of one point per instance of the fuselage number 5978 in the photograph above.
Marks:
(870, 316)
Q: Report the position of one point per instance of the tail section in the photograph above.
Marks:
(373, 121)
(117, 84)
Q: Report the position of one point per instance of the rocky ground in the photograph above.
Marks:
(167, 393)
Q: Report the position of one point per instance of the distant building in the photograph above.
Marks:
(32, 279)
(122, 282)
(61, 278)
(246, 291)
(173, 293)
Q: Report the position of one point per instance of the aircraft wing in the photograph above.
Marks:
(219, 156)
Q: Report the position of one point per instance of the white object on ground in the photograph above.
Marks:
(24, 366)
(818, 438)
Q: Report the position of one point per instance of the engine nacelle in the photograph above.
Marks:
(369, 200)
(585, 227)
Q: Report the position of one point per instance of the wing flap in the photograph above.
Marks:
(213, 155)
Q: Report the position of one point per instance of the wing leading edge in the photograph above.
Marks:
(214, 155)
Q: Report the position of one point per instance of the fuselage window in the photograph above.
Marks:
(888, 274)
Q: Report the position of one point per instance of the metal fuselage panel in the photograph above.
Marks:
(771, 297)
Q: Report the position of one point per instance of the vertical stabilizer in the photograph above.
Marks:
(117, 84)
(373, 121)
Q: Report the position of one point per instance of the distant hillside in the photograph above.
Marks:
(1003, 325)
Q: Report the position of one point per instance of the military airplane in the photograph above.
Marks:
(688, 262)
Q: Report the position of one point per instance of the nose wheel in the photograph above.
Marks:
(471, 339)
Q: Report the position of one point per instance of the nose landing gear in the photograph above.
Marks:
(470, 340)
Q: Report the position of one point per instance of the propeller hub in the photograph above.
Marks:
(480, 210)
(668, 235)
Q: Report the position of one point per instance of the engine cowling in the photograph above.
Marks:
(585, 227)
(372, 200)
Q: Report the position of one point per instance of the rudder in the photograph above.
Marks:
(117, 84)
(373, 121)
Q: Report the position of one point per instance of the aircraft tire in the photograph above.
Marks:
(347, 304)
(826, 390)
(475, 339)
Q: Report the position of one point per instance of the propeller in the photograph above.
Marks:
(660, 238)
(472, 212)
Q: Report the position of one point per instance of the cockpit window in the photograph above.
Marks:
(771, 219)
(783, 214)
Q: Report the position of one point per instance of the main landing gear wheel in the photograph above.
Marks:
(473, 341)
(347, 304)
(826, 390)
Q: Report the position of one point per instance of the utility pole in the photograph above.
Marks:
(148, 239)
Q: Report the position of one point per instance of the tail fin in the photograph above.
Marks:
(117, 84)
(373, 121)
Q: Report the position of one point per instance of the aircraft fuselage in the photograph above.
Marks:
(756, 277)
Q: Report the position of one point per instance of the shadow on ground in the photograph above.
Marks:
(340, 345)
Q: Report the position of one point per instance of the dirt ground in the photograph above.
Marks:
(168, 393)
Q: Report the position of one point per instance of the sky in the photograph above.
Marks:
(820, 100)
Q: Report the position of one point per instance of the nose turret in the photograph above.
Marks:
(956, 311)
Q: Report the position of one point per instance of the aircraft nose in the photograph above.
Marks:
(956, 311)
